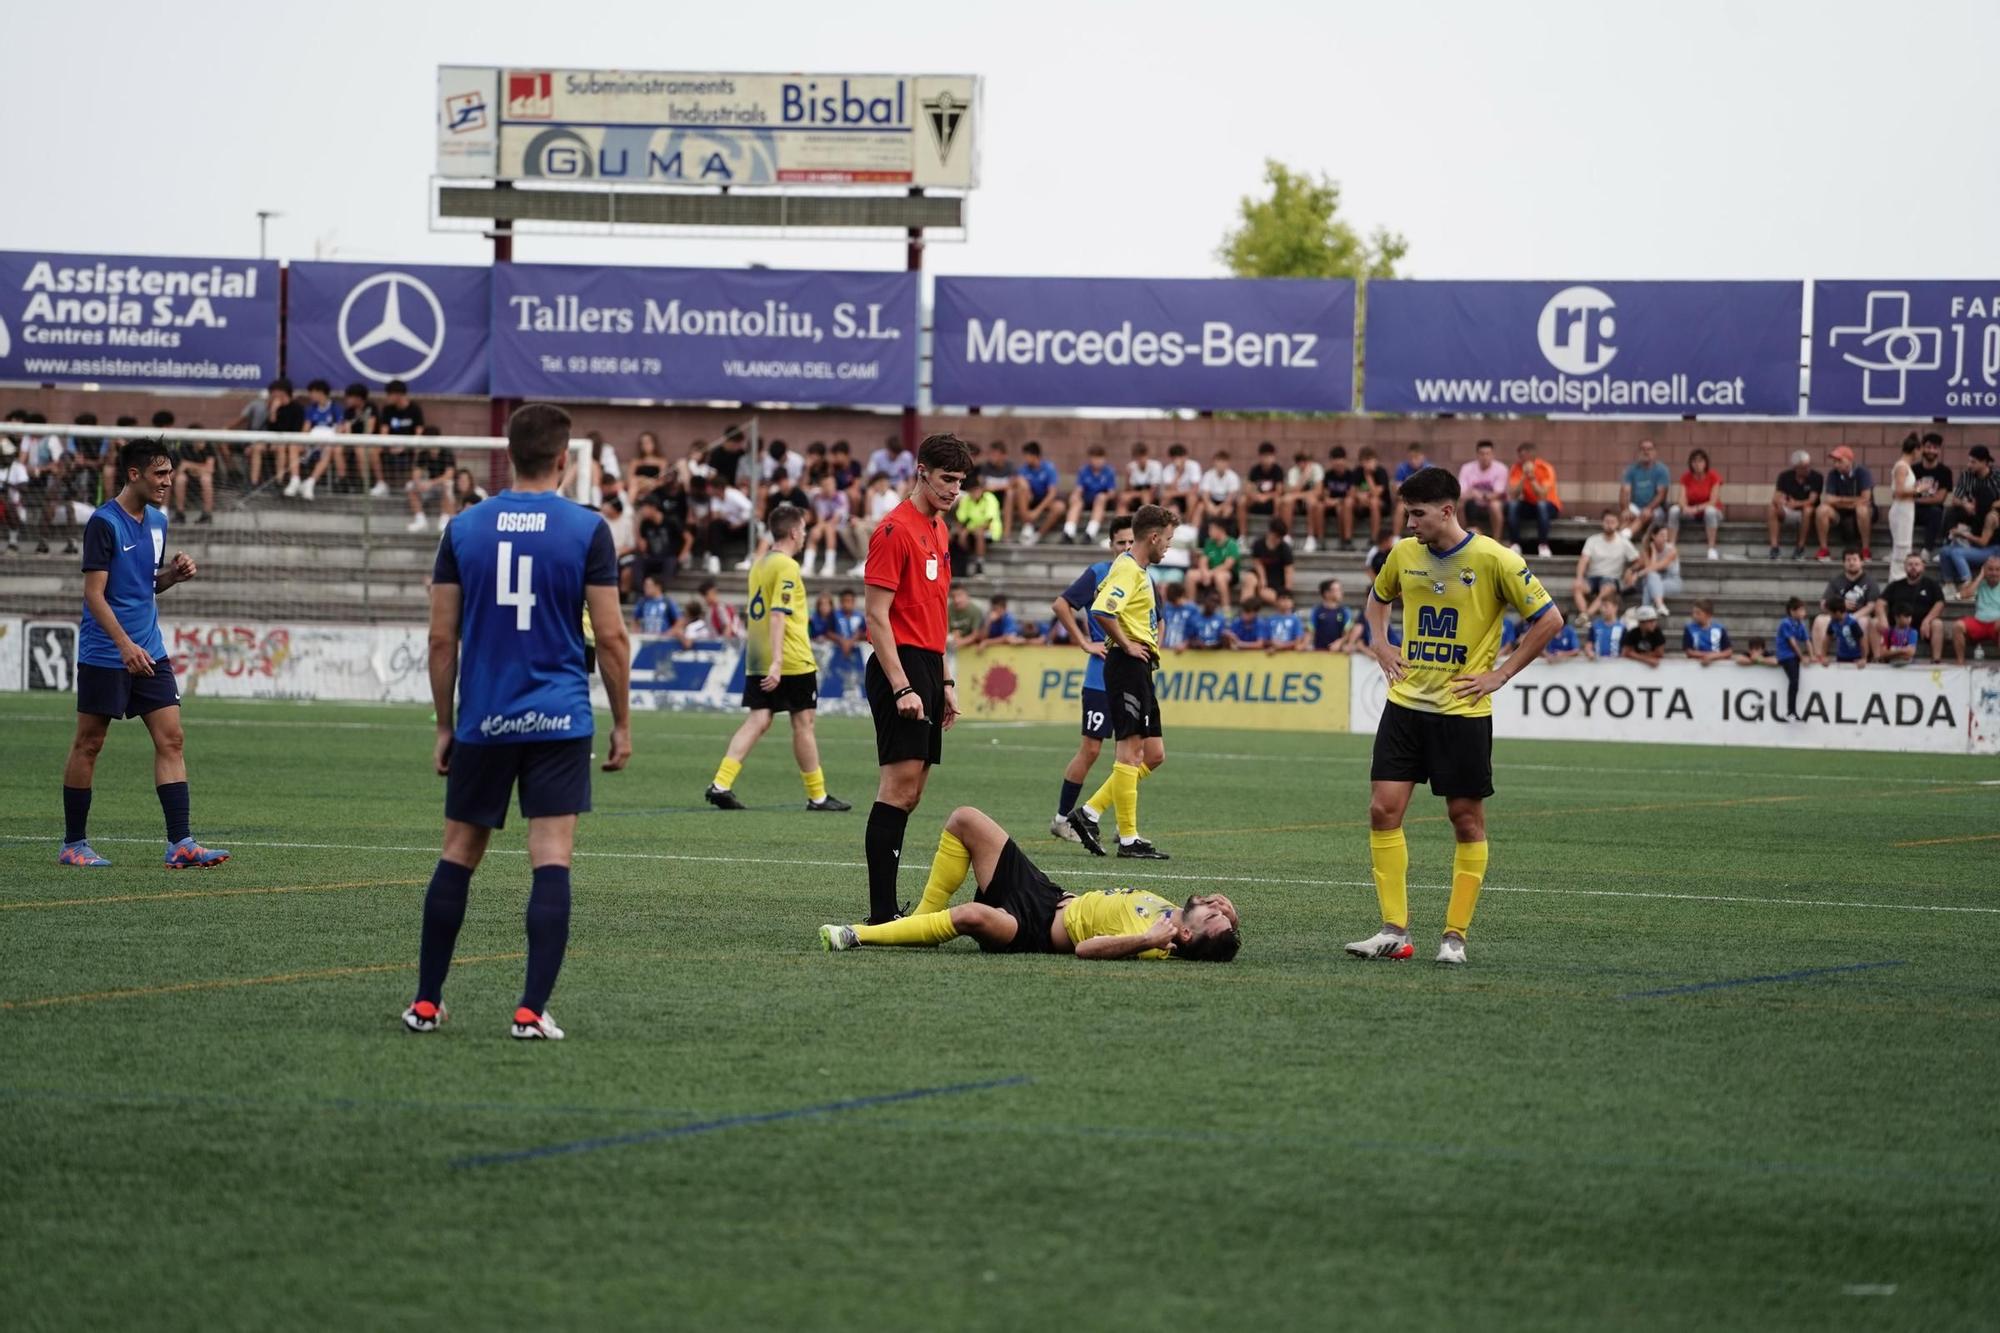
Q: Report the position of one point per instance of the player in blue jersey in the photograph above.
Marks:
(1096, 708)
(513, 577)
(122, 665)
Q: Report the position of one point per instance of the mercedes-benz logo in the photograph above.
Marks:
(389, 331)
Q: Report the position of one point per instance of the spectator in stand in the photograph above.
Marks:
(1852, 639)
(1903, 505)
(1564, 645)
(1248, 630)
(1142, 479)
(1531, 489)
(306, 464)
(974, 524)
(1284, 630)
(1794, 499)
(1273, 558)
(1174, 617)
(1643, 492)
(1264, 487)
(1934, 488)
(661, 529)
(398, 417)
(1414, 461)
(1982, 627)
(725, 460)
(13, 486)
(1000, 626)
(357, 417)
(1336, 629)
(1221, 494)
(1335, 487)
(694, 463)
(832, 526)
(1607, 628)
(1036, 495)
(108, 461)
(1900, 647)
(1218, 567)
(715, 519)
(1975, 501)
(1757, 654)
(1657, 573)
(1305, 481)
(782, 474)
(895, 463)
(1920, 597)
(654, 612)
(710, 619)
(1180, 483)
(850, 632)
(847, 475)
(964, 618)
(431, 472)
(281, 415)
(86, 462)
(1606, 554)
(1703, 638)
(817, 465)
(198, 461)
(1849, 593)
(465, 491)
(1368, 496)
(607, 478)
(1847, 507)
(998, 470)
(1510, 632)
(624, 539)
(48, 462)
(1208, 629)
(1482, 491)
(1096, 487)
(1646, 642)
(1795, 646)
(881, 501)
(649, 465)
(1699, 496)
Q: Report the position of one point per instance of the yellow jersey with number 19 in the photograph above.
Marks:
(776, 585)
(1453, 602)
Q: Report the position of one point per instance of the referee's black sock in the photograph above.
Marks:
(885, 851)
(174, 805)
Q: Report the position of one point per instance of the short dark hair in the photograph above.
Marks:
(127, 421)
(86, 418)
(1220, 947)
(1794, 604)
(355, 390)
(1429, 485)
(1338, 451)
(945, 452)
(1325, 584)
(706, 585)
(1932, 437)
(1267, 448)
(785, 521)
(1119, 523)
(1032, 447)
(998, 600)
(537, 436)
(395, 386)
(321, 385)
(280, 385)
(1911, 443)
(1705, 605)
(1483, 444)
(1854, 551)
(1151, 518)
(140, 454)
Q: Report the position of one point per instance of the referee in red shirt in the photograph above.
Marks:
(914, 702)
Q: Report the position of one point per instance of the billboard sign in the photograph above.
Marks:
(372, 323)
(1910, 350)
(631, 127)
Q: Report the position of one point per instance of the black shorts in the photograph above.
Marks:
(898, 738)
(115, 692)
(795, 694)
(1128, 684)
(554, 778)
(1453, 754)
(1096, 714)
(1022, 891)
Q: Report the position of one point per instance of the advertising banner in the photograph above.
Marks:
(1140, 342)
(372, 323)
(1877, 708)
(13, 654)
(1910, 350)
(50, 658)
(754, 335)
(1614, 348)
(707, 675)
(137, 319)
(1259, 691)
(253, 660)
(649, 128)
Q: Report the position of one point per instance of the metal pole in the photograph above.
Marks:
(499, 409)
(756, 457)
(913, 262)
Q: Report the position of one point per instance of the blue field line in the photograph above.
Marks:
(733, 1122)
(1699, 986)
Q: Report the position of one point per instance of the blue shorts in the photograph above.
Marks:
(1097, 714)
(116, 692)
(554, 778)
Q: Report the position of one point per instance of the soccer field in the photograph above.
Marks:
(1724, 1056)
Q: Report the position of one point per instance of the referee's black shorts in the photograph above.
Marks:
(1453, 754)
(898, 738)
(1128, 686)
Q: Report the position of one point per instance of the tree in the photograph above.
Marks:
(1296, 232)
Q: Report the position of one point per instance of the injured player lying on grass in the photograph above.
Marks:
(1017, 909)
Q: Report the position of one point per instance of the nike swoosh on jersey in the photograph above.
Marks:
(127, 548)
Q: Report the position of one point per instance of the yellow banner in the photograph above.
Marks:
(1263, 691)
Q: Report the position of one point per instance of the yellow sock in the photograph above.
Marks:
(725, 773)
(923, 931)
(815, 784)
(1125, 797)
(1389, 857)
(948, 869)
(1101, 802)
(1468, 872)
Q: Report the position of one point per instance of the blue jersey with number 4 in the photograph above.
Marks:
(522, 561)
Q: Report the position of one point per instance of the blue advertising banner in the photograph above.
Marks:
(755, 335)
(372, 323)
(1616, 348)
(1906, 349)
(137, 319)
(1279, 344)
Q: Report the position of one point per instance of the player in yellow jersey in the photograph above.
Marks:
(1437, 725)
(779, 669)
(1125, 610)
(1017, 909)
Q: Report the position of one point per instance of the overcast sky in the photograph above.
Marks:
(1535, 139)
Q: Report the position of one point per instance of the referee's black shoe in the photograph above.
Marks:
(829, 803)
(1140, 850)
(1086, 831)
(723, 799)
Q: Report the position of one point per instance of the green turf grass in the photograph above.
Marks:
(1296, 1140)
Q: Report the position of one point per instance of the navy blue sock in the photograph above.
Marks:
(548, 934)
(444, 911)
(76, 813)
(883, 843)
(174, 805)
(1071, 790)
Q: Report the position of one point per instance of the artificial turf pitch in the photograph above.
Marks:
(1725, 1055)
